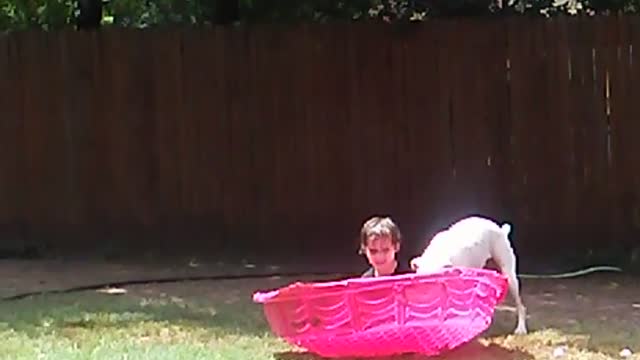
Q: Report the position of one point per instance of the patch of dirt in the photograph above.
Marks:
(599, 313)
(609, 297)
(565, 304)
(592, 317)
(604, 298)
(26, 276)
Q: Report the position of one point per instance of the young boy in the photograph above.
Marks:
(380, 240)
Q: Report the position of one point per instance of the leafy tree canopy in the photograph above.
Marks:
(52, 14)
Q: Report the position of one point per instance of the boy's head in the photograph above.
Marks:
(380, 240)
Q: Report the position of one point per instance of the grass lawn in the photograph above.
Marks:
(97, 326)
(589, 318)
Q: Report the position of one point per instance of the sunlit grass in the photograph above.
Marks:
(224, 324)
(93, 326)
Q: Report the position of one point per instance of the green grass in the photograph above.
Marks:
(218, 320)
(95, 326)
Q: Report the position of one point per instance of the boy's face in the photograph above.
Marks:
(381, 252)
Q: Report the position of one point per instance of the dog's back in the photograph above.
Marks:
(469, 242)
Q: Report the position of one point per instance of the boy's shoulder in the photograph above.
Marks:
(369, 273)
(402, 268)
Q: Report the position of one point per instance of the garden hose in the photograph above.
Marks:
(572, 274)
(120, 284)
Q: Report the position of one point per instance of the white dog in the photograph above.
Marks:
(470, 243)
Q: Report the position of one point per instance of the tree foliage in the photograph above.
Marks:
(52, 14)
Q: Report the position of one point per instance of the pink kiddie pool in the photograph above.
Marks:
(409, 313)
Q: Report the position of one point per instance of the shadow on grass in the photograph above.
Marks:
(473, 350)
(596, 314)
(94, 311)
(561, 313)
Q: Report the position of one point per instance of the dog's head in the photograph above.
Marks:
(432, 259)
(422, 265)
(415, 263)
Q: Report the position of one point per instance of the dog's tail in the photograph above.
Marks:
(506, 229)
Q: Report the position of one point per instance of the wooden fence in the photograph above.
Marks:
(260, 137)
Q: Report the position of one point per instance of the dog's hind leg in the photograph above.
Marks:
(505, 258)
(514, 289)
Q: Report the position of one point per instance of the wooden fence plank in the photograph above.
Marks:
(11, 149)
(479, 84)
(541, 146)
(239, 136)
(621, 34)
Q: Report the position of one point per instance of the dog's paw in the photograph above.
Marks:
(520, 330)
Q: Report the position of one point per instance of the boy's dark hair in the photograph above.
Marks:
(379, 226)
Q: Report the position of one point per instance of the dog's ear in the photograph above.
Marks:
(413, 264)
(506, 228)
